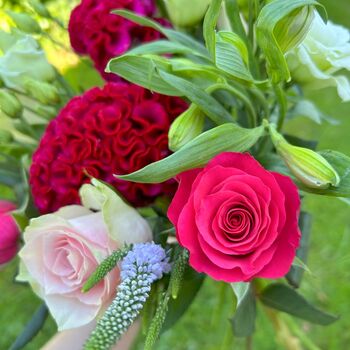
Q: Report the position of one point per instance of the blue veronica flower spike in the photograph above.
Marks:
(143, 265)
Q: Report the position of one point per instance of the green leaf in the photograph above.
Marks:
(208, 104)
(161, 47)
(243, 321)
(144, 71)
(231, 55)
(196, 153)
(283, 298)
(341, 164)
(296, 273)
(233, 15)
(269, 18)
(31, 329)
(190, 286)
(209, 26)
(171, 34)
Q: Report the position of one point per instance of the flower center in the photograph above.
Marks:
(236, 223)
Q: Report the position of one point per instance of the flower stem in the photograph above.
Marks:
(245, 99)
(282, 103)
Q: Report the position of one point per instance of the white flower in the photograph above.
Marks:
(324, 52)
(23, 58)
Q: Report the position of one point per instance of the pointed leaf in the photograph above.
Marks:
(196, 153)
(230, 56)
(243, 321)
(142, 70)
(209, 26)
(171, 34)
(31, 329)
(296, 273)
(283, 298)
(208, 104)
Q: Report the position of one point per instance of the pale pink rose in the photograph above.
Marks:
(61, 251)
(9, 232)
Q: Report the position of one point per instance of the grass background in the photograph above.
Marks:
(206, 326)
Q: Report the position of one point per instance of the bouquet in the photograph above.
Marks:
(165, 162)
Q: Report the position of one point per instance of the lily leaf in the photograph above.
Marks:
(196, 153)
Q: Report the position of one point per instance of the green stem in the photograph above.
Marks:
(239, 95)
(249, 343)
(306, 341)
(282, 103)
(220, 304)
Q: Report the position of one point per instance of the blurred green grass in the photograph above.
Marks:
(206, 325)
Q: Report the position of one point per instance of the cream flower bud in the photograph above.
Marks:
(308, 166)
(10, 105)
(186, 127)
(185, 13)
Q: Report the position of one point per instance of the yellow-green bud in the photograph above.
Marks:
(186, 13)
(186, 127)
(24, 22)
(291, 30)
(5, 136)
(41, 91)
(308, 166)
(10, 104)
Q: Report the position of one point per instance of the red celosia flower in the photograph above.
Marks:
(94, 31)
(114, 130)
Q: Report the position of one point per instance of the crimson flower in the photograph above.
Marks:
(114, 130)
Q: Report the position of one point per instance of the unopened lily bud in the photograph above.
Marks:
(186, 13)
(46, 112)
(5, 136)
(292, 29)
(41, 91)
(308, 166)
(10, 104)
(24, 22)
(186, 127)
(40, 8)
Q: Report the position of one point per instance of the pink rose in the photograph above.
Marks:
(61, 251)
(9, 232)
(238, 220)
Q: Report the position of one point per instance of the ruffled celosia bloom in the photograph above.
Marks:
(324, 52)
(114, 130)
(238, 220)
(9, 232)
(63, 249)
(94, 31)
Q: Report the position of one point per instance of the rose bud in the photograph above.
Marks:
(9, 232)
(186, 127)
(10, 104)
(184, 13)
(308, 166)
